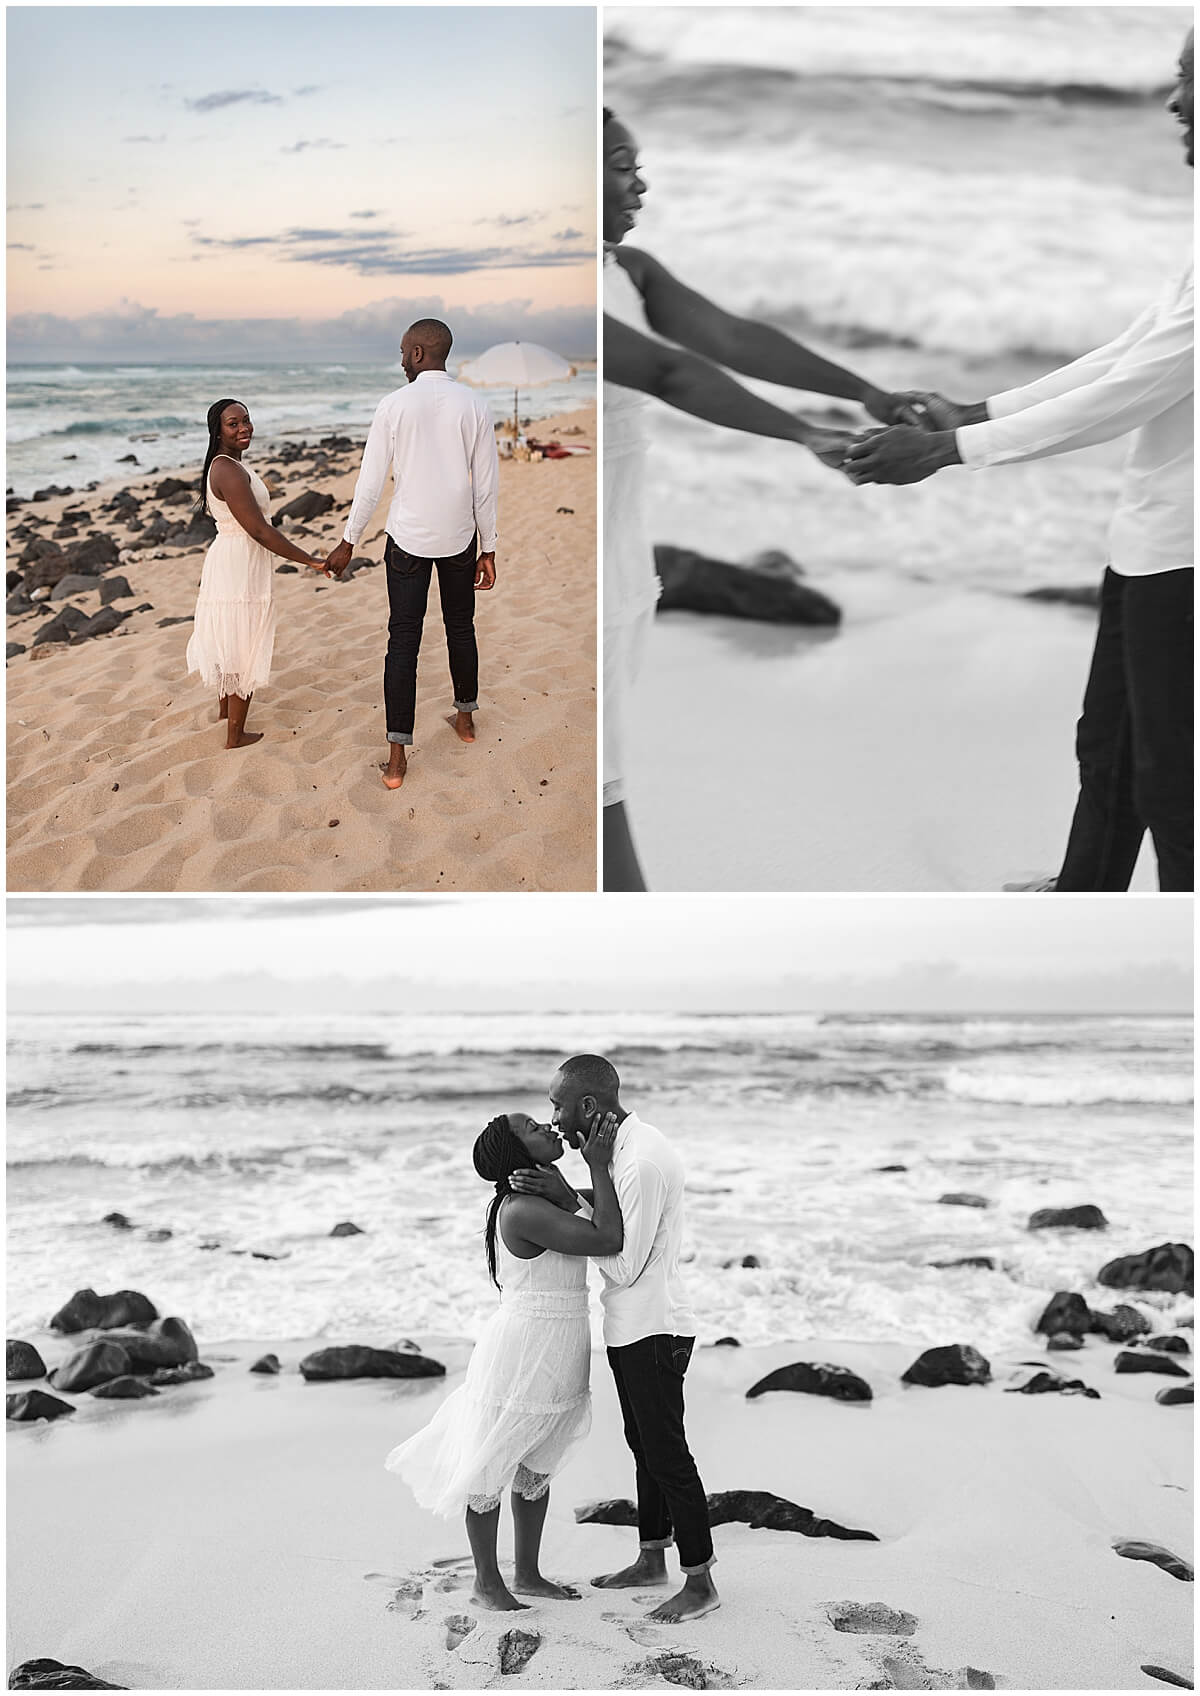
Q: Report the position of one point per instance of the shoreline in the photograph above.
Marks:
(994, 1515)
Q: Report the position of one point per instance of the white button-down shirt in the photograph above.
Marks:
(436, 438)
(1141, 382)
(643, 1293)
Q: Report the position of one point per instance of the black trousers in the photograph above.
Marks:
(408, 578)
(1134, 739)
(670, 1497)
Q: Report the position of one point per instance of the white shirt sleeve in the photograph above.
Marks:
(376, 463)
(1151, 370)
(485, 478)
(642, 1194)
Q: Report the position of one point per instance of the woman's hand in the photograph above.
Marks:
(928, 410)
(830, 446)
(598, 1147)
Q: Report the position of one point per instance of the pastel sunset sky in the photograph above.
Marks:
(187, 182)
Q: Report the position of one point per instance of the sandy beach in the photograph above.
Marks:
(930, 747)
(261, 1504)
(118, 779)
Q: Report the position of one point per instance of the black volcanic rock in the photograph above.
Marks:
(93, 1364)
(347, 1229)
(118, 1221)
(23, 1361)
(1042, 1383)
(1084, 1218)
(311, 504)
(1177, 1395)
(356, 1360)
(53, 1675)
(815, 1380)
(759, 1509)
(1140, 1360)
(113, 589)
(767, 588)
(960, 1198)
(30, 1405)
(1065, 1311)
(1169, 1267)
(1173, 1344)
(974, 1262)
(191, 1372)
(62, 627)
(125, 1389)
(1133, 1549)
(1121, 1324)
(267, 1364)
(168, 1342)
(955, 1363)
(1067, 595)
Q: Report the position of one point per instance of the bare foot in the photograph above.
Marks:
(497, 1598)
(245, 739)
(463, 725)
(649, 1568)
(698, 1597)
(397, 765)
(539, 1586)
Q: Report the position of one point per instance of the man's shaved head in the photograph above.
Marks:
(433, 336)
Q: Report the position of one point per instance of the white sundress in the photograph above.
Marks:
(234, 635)
(631, 585)
(525, 1403)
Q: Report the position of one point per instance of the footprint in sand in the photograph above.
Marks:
(450, 1582)
(407, 1593)
(458, 1628)
(451, 1560)
(638, 1631)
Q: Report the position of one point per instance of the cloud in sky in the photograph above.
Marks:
(320, 142)
(143, 138)
(224, 97)
(361, 333)
(376, 252)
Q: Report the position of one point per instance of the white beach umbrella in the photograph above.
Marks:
(516, 366)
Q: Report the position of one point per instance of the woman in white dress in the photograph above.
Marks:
(234, 633)
(667, 342)
(525, 1404)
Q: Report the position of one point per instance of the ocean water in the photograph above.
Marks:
(945, 197)
(73, 424)
(264, 1140)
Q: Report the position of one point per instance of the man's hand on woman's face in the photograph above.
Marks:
(546, 1182)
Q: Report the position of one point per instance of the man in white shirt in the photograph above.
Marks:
(436, 439)
(1134, 740)
(649, 1330)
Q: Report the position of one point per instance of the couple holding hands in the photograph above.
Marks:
(436, 439)
(668, 343)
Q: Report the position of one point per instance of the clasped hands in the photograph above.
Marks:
(917, 439)
(340, 557)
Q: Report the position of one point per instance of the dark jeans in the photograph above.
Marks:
(408, 579)
(670, 1496)
(1134, 739)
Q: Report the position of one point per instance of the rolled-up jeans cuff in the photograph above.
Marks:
(466, 706)
(657, 1542)
(703, 1567)
(404, 737)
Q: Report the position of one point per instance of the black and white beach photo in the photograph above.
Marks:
(916, 1177)
(898, 358)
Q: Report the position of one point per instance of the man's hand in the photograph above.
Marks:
(340, 558)
(930, 411)
(900, 455)
(485, 572)
(546, 1181)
